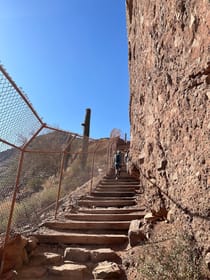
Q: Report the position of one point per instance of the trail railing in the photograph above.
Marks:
(39, 164)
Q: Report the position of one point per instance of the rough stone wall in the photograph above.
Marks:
(169, 64)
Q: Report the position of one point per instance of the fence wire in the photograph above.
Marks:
(39, 164)
(17, 122)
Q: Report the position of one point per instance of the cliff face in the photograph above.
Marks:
(169, 63)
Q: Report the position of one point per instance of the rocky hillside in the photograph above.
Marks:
(40, 175)
(35, 165)
(169, 63)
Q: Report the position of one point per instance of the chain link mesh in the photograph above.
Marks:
(36, 187)
(17, 122)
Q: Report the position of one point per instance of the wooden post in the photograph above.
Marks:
(125, 138)
(86, 134)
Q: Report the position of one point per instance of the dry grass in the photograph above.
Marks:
(180, 261)
(39, 192)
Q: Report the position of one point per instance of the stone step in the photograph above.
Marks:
(115, 183)
(105, 217)
(53, 237)
(88, 225)
(116, 189)
(32, 273)
(112, 211)
(118, 182)
(70, 271)
(84, 255)
(112, 193)
(108, 270)
(106, 203)
(122, 178)
(107, 197)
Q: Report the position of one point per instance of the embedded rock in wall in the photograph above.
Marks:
(169, 63)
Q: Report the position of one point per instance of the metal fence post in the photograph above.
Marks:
(20, 164)
(93, 163)
(61, 174)
(108, 156)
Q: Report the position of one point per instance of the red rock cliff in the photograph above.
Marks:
(169, 63)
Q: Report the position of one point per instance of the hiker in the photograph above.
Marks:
(117, 164)
(126, 160)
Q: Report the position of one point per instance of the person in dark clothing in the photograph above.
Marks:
(117, 164)
(126, 160)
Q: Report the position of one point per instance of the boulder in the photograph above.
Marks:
(171, 216)
(46, 258)
(107, 270)
(150, 217)
(135, 234)
(32, 244)
(32, 272)
(10, 275)
(77, 254)
(72, 271)
(207, 260)
(104, 254)
(15, 253)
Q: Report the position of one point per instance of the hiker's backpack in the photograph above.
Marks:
(117, 158)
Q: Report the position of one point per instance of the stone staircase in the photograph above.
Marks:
(86, 245)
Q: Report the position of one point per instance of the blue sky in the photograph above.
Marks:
(69, 55)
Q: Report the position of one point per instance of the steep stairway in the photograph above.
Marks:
(85, 245)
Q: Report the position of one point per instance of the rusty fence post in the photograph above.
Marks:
(92, 168)
(59, 184)
(108, 157)
(16, 186)
(68, 147)
(12, 209)
(110, 165)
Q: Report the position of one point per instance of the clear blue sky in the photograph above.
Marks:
(69, 55)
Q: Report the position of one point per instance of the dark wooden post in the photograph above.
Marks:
(125, 138)
(86, 134)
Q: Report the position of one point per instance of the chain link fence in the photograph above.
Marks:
(39, 164)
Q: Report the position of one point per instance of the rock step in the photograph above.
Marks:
(107, 197)
(106, 203)
(105, 217)
(76, 262)
(79, 238)
(115, 189)
(122, 178)
(122, 187)
(85, 255)
(108, 270)
(118, 182)
(88, 225)
(70, 271)
(112, 211)
(112, 193)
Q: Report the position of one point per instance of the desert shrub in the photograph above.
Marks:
(35, 184)
(181, 261)
(26, 212)
(40, 178)
(4, 215)
(47, 196)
